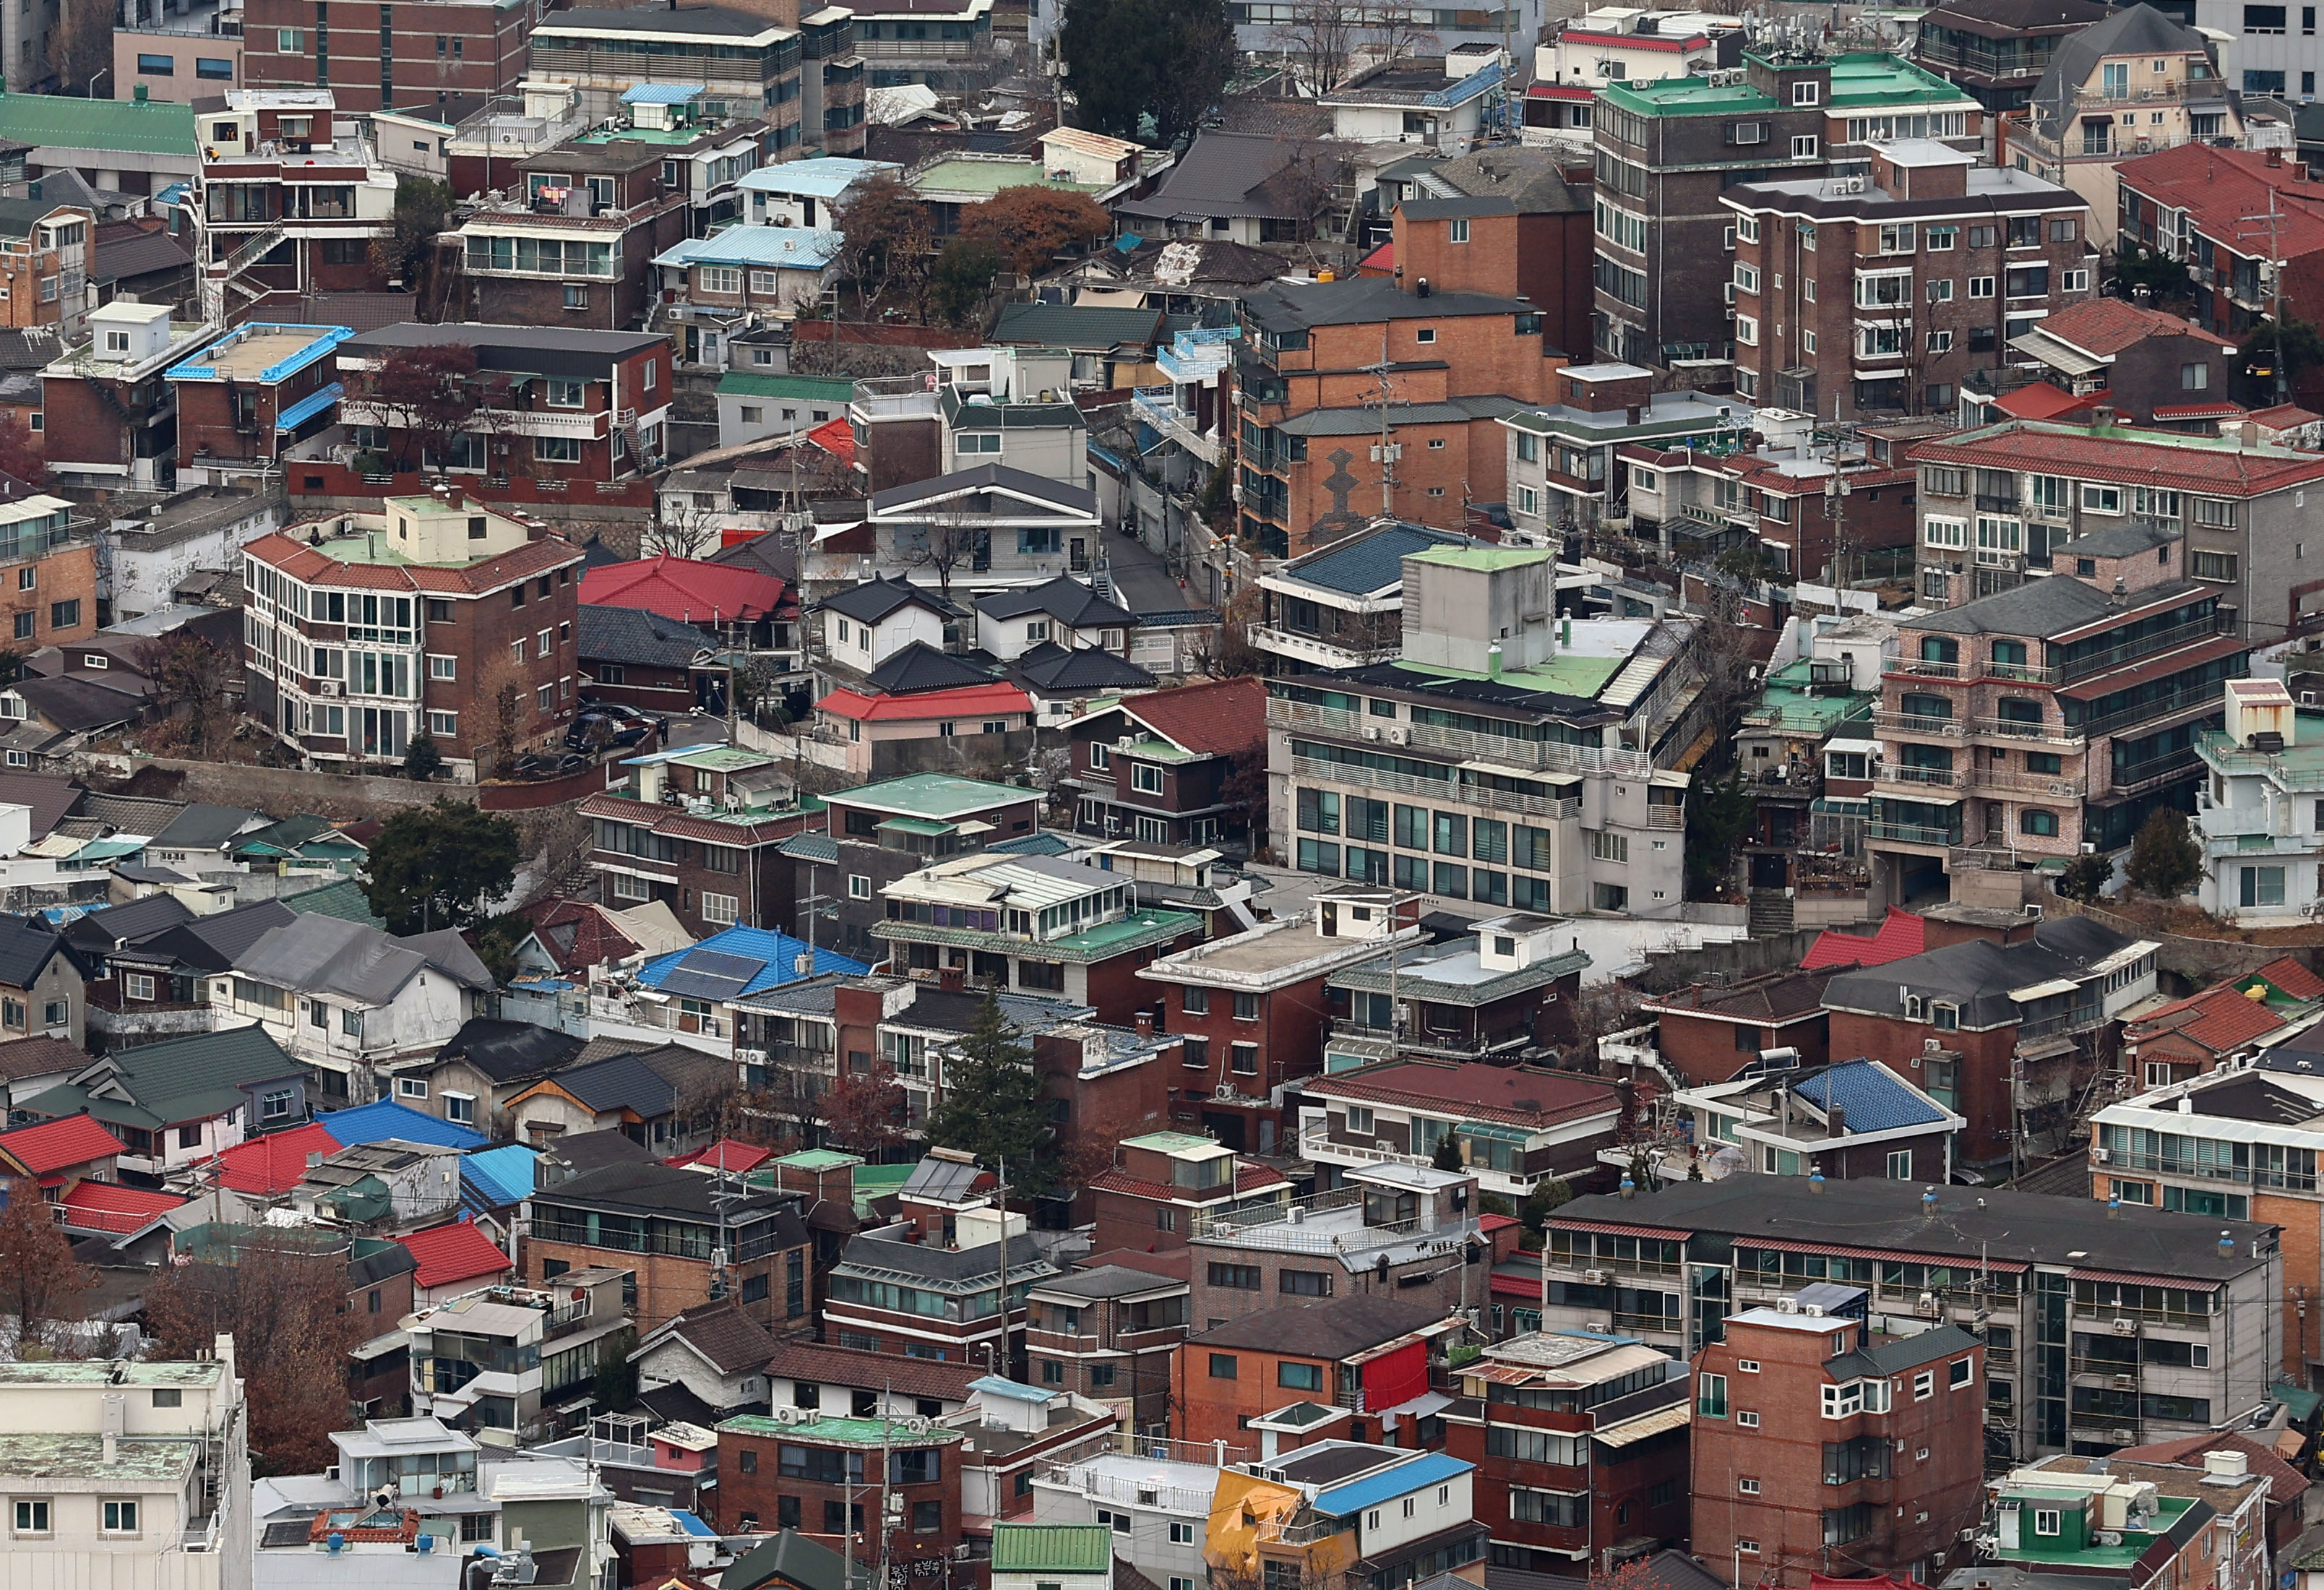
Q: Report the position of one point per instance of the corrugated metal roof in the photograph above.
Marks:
(1431, 1468)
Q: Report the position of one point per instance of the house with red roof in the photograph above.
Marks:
(108, 1209)
(1900, 934)
(2207, 1030)
(59, 1154)
(270, 1167)
(875, 727)
(1174, 767)
(2149, 366)
(453, 1259)
(744, 607)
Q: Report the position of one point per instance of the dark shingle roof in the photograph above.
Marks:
(664, 1189)
(1370, 561)
(203, 826)
(1977, 974)
(1898, 1354)
(509, 1051)
(214, 944)
(1085, 327)
(1064, 598)
(178, 1080)
(1039, 490)
(128, 922)
(74, 704)
(1293, 306)
(1332, 1329)
(874, 600)
(2044, 608)
(1227, 175)
(1051, 669)
(138, 254)
(2133, 29)
(637, 637)
(790, 1559)
(26, 946)
(733, 1341)
(649, 1082)
(920, 667)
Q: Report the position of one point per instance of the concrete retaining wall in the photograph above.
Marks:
(281, 791)
(2194, 963)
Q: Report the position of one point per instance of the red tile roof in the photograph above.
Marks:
(2042, 401)
(100, 1206)
(1226, 717)
(313, 566)
(968, 701)
(1901, 935)
(1249, 1178)
(594, 939)
(2282, 417)
(2220, 187)
(2285, 1483)
(2106, 326)
(53, 1145)
(2288, 974)
(272, 1164)
(835, 437)
(869, 1371)
(2218, 410)
(2127, 457)
(1511, 1097)
(454, 1252)
(2219, 1019)
(725, 1154)
(686, 590)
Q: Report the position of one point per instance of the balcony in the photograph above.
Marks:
(1306, 648)
(2154, 645)
(1506, 751)
(1910, 834)
(2195, 699)
(2155, 771)
(2003, 780)
(2288, 773)
(1913, 726)
(1533, 806)
(1898, 773)
(1317, 1145)
(2010, 728)
(1925, 668)
(1158, 406)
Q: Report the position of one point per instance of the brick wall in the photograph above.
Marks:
(760, 1492)
(668, 1285)
(490, 57)
(63, 578)
(1982, 1074)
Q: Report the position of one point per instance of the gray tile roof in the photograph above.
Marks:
(509, 1051)
(1445, 209)
(1052, 669)
(1293, 306)
(1225, 174)
(26, 946)
(650, 1081)
(1529, 179)
(72, 703)
(1085, 328)
(1362, 422)
(213, 944)
(1040, 489)
(121, 924)
(1977, 974)
(877, 597)
(1108, 1281)
(329, 955)
(203, 826)
(1330, 1329)
(636, 637)
(921, 667)
(174, 1080)
(2042, 608)
(2132, 29)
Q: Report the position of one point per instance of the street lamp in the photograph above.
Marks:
(100, 71)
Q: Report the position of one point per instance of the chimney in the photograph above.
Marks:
(1420, 288)
(2102, 416)
(952, 979)
(1835, 1121)
(1145, 1024)
(2275, 160)
(454, 495)
(2120, 596)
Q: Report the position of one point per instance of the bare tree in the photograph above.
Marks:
(1394, 31)
(681, 530)
(946, 541)
(504, 697)
(40, 1282)
(1321, 40)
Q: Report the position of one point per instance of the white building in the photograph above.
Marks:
(127, 1476)
(2259, 815)
(808, 192)
(142, 561)
(1616, 44)
(344, 997)
(1438, 101)
(1159, 1508)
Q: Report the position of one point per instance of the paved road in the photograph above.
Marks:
(1140, 581)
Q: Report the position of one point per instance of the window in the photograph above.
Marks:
(1425, 334)
(1980, 287)
(1960, 1372)
(157, 66)
(410, 1087)
(1900, 1165)
(120, 1518)
(64, 614)
(1239, 1277)
(1223, 1367)
(460, 1107)
(31, 1517)
(2219, 566)
(1807, 94)
(1299, 1377)
(1459, 230)
(1304, 1283)
(1145, 778)
(1747, 1488)
(1804, 146)
(1181, 1534)
(1710, 1396)
(2264, 19)
(2045, 1519)
(2039, 823)
(557, 449)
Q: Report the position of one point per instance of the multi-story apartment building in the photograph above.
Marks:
(48, 571)
(2057, 714)
(1342, 606)
(830, 1475)
(747, 62)
(254, 395)
(412, 53)
(1999, 502)
(2256, 811)
(1489, 764)
(1666, 150)
(938, 1296)
(2143, 1526)
(134, 1472)
(1858, 295)
(700, 830)
(2030, 1275)
(1309, 387)
(1357, 1357)
(1580, 1440)
(1802, 501)
(1380, 1236)
(566, 419)
(501, 1357)
(45, 250)
(107, 417)
(2238, 1143)
(1108, 1333)
(363, 631)
(1563, 461)
(286, 201)
(1996, 50)
(574, 239)
(1164, 768)
(1514, 1126)
(2134, 84)
(2189, 203)
(1155, 1499)
(1042, 925)
(1817, 1446)
(1161, 1181)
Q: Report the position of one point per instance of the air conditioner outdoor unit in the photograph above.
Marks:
(1397, 736)
(2102, 1156)
(2125, 1382)
(1596, 1277)
(326, 686)
(2125, 1328)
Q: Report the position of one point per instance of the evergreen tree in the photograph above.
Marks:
(2086, 877)
(1447, 1155)
(1132, 60)
(2164, 858)
(440, 865)
(994, 1106)
(421, 760)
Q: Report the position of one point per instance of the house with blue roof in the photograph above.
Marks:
(1342, 606)
(497, 1179)
(1852, 1120)
(384, 1121)
(687, 996)
(728, 275)
(808, 192)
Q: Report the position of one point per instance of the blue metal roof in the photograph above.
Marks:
(1874, 1099)
(321, 341)
(376, 1123)
(796, 248)
(691, 1524)
(662, 93)
(1432, 1468)
(827, 178)
(775, 956)
(308, 407)
(503, 1176)
(1000, 1385)
(1367, 563)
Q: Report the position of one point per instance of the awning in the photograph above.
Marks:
(1618, 1230)
(1784, 1244)
(914, 824)
(2183, 1283)
(1425, 1405)
(306, 407)
(2034, 991)
(1674, 1417)
(1488, 1131)
(2056, 353)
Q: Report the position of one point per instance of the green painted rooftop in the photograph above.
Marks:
(819, 1159)
(840, 1432)
(989, 177)
(811, 388)
(1170, 1142)
(1869, 80)
(150, 126)
(722, 759)
(1130, 930)
(1051, 1549)
(936, 795)
(1787, 705)
(163, 1460)
(1564, 674)
(1486, 558)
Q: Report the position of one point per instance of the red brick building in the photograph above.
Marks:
(286, 202)
(365, 630)
(700, 830)
(818, 1473)
(1709, 1032)
(255, 393)
(1822, 1447)
(1325, 1352)
(1163, 767)
(375, 58)
(526, 260)
(1579, 1442)
(1161, 1181)
(1530, 240)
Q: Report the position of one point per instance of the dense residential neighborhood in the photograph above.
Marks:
(1161, 795)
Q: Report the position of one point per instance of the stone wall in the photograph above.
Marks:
(280, 791)
(2186, 965)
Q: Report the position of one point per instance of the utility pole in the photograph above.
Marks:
(2272, 224)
